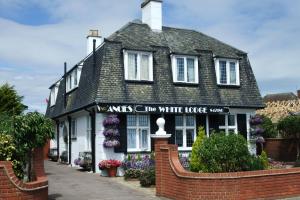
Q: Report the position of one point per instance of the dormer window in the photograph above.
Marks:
(53, 94)
(227, 71)
(138, 66)
(73, 78)
(185, 69)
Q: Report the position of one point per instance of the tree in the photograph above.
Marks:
(31, 131)
(290, 128)
(195, 165)
(10, 101)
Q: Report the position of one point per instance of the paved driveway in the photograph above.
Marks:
(66, 183)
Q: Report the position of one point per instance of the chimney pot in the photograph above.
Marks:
(93, 35)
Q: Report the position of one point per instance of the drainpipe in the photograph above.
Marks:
(94, 56)
(57, 138)
(65, 80)
(70, 139)
(93, 137)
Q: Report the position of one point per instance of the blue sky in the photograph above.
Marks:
(38, 36)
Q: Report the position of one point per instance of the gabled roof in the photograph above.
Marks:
(105, 83)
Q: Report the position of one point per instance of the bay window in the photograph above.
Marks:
(185, 131)
(185, 69)
(138, 133)
(227, 71)
(138, 66)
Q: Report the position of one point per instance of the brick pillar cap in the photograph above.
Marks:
(160, 136)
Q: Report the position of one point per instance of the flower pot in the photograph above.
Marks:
(112, 172)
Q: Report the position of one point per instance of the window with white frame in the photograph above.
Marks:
(73, 78)
(228, 123)
(138, 65)
(53, 94)
(227, 71)
(185, 131)
(138, 133)
(73, 129)
(185, 69)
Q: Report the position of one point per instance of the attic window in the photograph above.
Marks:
(185, 69)
(53, 94)
(227, 71)
(73, 78)
(138, 65)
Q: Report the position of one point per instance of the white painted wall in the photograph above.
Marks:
(152, 15)
(103, 153)
(62, 145)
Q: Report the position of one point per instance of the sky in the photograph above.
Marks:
(38, 36)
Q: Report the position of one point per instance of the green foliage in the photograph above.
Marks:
(6, 123)
(269, 128)
(195, 161)
(221, 153)
(147, 177)
(254, 163)
(7, 147)
(10, 101)
(132, 174)
(264, 159)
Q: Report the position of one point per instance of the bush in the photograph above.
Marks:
(221, 153)
(147, 177)
(254, 163)
(132, 174)
(269, 128)
(264, 160)
(195, 163)
(7, 147)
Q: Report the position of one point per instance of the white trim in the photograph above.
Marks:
(184, 129)
(207, 125)
(226, 127)
(228, 61)
(174, 68)
(139, 54)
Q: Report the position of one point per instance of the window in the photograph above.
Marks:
(53, 94)
(227, 72)
(73, 78)
(185, 69)
(185, 131)
(138, 66)
(73, 129)
(138, 133)
(228, 123)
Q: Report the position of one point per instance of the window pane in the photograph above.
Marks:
(231, 120)
(131, 138)
(223, 75)
(143, 120)
(132, 66)
(190, 70)
(190, 120)
(180, 69)
(75, 77)
(178, 120)
(145, 67)
(131, 120)
(70, 82)
(232, 73)
(179, 138)
(189, 137)
(144, 139)
(221, 120)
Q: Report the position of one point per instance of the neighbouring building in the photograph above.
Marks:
(281, 105)
(144, 71)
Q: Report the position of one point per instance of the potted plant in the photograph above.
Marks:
(111, 166)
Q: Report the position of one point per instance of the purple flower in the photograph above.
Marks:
(256, 120)
(259, 131)
(111, 120)
(111, 143)
(111, 133)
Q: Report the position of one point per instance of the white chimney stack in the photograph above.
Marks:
(152, 14)
(93, 35)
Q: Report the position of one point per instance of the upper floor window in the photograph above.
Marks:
(73, 78)
(185, 131)
(138, 65)
(53, 94)
(227, 72)
(138, 133)
(185, 69)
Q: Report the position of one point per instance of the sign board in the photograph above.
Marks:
(168, 109)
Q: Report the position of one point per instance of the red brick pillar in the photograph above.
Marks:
(38, 162)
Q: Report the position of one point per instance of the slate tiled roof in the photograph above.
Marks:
(106, 84)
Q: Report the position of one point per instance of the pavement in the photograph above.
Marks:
(67, 183)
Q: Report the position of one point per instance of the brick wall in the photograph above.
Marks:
(281, 149)
(172, 181)
(11, 188)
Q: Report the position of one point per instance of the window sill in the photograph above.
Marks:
(139, 82)
(69, 91)
(186, 84)
(228, 86)
(138, 151)
(184, 148)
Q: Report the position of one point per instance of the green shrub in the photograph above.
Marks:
(269, 128)
(221, 153)
(7, 147)
(264, 159)
(147, 177)
(254, 163)
(132, 173)
(195, 162)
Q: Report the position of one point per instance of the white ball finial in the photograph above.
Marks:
(161, 126)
